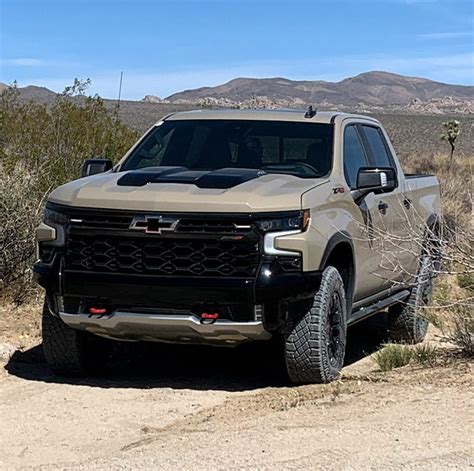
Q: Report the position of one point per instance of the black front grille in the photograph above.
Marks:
(185, 225)
(93, 221)
(207, 226)
(162, 256)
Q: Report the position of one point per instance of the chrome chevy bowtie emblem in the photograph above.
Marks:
(154, 224)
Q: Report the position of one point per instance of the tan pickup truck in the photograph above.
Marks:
(220, 227)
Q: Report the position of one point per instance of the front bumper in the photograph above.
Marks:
(144, 307)
(166, 328)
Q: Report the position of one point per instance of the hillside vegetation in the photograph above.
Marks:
(42, 147)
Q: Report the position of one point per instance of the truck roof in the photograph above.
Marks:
(265, 115)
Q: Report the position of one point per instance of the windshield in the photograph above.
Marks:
(300, 149)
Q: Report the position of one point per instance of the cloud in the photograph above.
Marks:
(446, 35)
(25, 62)
(40, 63)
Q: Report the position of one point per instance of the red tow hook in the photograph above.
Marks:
(209, 318)
(97, 311)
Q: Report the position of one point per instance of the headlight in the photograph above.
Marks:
(298, 221)
(54, 217)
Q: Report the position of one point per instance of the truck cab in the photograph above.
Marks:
(221, 227)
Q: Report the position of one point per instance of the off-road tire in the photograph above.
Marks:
(315, 338)
(64, 348)
(405, 319)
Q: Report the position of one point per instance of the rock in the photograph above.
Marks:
(6, 351)
(153, 99)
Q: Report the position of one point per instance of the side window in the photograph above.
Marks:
(354, 155)
(377, 146)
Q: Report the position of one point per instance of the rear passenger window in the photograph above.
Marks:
(354, 155)
(377, 146)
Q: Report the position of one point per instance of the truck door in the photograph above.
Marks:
(391, 220)
(367, 246)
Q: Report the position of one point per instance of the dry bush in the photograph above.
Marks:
(452, 310)
(456, 186)
(20, 212)
(42, 147)
(453, 313)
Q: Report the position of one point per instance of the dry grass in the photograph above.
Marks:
(452, 312)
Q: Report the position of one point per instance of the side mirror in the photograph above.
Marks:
(94, 166)
(376, 180)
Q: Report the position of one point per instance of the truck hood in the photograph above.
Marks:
(181, 190)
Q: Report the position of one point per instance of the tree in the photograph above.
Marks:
(450, 134)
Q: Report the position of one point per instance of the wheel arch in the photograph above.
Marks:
(432, 239)
(339, 253)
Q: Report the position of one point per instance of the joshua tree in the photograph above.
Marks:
(78, 88)
(450, 134)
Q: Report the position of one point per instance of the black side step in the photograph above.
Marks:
(368, 311)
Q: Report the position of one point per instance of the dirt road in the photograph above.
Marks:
(188, 407)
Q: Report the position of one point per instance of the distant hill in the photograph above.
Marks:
(32, 92)
(371, 88)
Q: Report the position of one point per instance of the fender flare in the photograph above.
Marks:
(335, 239)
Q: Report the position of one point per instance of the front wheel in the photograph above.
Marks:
(64, 348)
(315, 339)
(71, 352)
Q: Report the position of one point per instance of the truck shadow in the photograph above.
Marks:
(152, 365)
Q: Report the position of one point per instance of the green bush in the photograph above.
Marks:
(42, 147)
(395, 355)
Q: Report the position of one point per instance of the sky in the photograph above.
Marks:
(166, 46)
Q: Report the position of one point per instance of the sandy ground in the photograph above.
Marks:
(175, 407)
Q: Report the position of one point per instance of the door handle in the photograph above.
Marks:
(407, 203)
(383, 207)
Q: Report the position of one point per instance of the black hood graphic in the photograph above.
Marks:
(222, 178)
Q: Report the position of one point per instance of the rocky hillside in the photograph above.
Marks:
(371, 88)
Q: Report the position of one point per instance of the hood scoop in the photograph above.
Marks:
(220, 179)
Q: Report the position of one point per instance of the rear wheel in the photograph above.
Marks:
(315, 341)
(406, 321)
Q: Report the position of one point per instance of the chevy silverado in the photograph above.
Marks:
(221, 227)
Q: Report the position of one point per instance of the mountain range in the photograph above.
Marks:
(371, 88)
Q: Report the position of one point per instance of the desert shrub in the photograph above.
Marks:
(42, 147)
(466, 281)
(453, 304)
(20, 211)
(462, 331)
(456, 322)
(392, 355)
(452, 312)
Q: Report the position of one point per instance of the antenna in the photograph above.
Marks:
(311, 112)
(120, 92)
